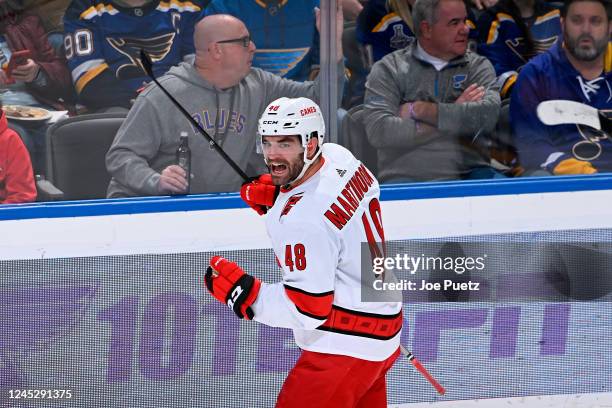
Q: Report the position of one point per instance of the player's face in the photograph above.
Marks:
(448, 36)
(284, 156)
(586, 30)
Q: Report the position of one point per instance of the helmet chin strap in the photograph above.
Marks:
(307, 164)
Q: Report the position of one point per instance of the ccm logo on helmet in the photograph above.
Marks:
(308, 111)
(270, 122)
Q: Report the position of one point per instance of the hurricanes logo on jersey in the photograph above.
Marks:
(157, 48)
(291, 202)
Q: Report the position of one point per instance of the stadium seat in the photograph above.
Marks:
(353, 137)
(76, 150)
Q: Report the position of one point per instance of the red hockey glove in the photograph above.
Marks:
(260, 193)
(228, 283)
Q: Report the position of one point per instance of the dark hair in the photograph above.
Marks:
(10, 12)
(540, 7)
(605, 3)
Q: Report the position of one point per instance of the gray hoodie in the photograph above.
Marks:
(402, 77)
(147, 141)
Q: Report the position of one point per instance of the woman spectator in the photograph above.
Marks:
(385, 26)
(514, 31)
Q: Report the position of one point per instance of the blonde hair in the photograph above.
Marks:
(402, 8)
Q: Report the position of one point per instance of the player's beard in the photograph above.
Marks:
(294, 169)
(590, 53)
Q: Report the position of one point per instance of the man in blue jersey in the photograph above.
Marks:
(577, 69)
(103, 39)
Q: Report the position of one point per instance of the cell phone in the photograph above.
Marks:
(17, 58)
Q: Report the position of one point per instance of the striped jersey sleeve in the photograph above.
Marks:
(303, 300)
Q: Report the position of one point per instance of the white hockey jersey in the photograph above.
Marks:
(317, 230)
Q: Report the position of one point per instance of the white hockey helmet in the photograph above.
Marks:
(294, 117)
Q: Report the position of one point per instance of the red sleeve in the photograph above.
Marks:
(50, 62)
(19, 178)
(29, 34)
(315, 305)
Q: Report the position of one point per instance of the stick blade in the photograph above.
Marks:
(562, 112)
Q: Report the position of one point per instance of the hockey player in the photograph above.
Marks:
(323, 205)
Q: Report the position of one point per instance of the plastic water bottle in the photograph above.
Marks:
(183, 157)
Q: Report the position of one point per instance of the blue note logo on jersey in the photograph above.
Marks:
(519, 46)
(156, 47)
(458, 80)
(590, 147)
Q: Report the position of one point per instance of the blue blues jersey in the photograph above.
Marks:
(283, 31)
(503, 43)
(386, 31)
(561, 149)
(103, 42)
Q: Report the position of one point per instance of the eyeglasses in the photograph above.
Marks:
(244, 41)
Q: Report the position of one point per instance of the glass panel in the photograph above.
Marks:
(414, 121)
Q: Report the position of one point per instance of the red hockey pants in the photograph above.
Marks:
(321, 380)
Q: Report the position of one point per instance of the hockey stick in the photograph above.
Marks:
(417, 364)
(148, 67)
(563, 112)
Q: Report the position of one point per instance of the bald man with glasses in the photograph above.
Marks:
(225, 94)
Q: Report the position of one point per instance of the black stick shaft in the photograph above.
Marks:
(606, 124)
